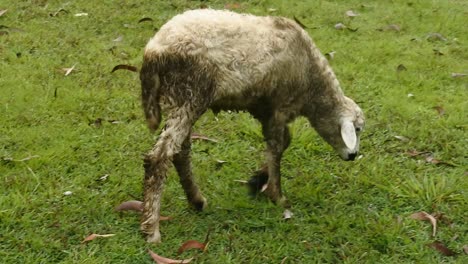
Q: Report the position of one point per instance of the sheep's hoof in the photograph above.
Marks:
(199, 203)
(154, 238)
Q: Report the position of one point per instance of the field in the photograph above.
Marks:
(72, 138)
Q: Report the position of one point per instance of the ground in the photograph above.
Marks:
(71, 145)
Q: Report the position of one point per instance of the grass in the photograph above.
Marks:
(354, 212)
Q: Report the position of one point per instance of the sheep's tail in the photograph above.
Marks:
(150, 86)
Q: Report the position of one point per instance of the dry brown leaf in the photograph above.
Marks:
(137, 206)
(435, 36)
(458, 75)
(162, 260)
(340, 26)
(2, 12)
(423, 216)
(145, 19)
(125, 67)
(401, 67)
(68, 70)
(299, 22)
(442, 248)
(351, 14)
(402, 138)
(94, 236)
(130, 206)
(201, 137)
(440, 110)
(190, 244)
(232, 6)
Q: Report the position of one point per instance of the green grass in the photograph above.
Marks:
(344, 212)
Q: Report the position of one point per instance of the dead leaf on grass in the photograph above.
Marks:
(299, 22)
(232, 6)
(465, 249)
(3, 11)
(68, 70)
(202, 137)
(439, 246)
(56, 13)
(435, 37)
(401, 68)
(402, 138)
(191, 244)
(145, 19)
(136, 206)
(351, 14)
(94, 236)
(125, 67)
(458, 75)
(130, 206)
(162, 260)
(340, 26)
(423, 216)
(440, 110)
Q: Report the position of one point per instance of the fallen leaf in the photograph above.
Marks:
(145, 19)
(232, 6)
(287, 214)
(458, 75)
(162, 260)
(442, 248)
(299, 22)
(125, 67)
(465, 249)
(423, 216)
(136, 206)
(340, 26)
(437, 52)
(130, 206)
(435, 37)
(2, 12)
(67, 193)
(242, 181)
(56, 13)
(68, 70)
(440, 110)
(402, 138)
(201, 137)
(351, 14)
(392, 27)
(191, 244)
(401, 67)
(118, 39)
(94, 236)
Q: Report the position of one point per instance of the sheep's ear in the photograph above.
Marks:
(348, 133)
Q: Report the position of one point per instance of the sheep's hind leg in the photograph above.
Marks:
(182, 163)
(156, 164)
(277, 138)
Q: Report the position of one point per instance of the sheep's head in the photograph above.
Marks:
(341, 128)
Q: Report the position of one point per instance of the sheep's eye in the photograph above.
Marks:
(358, 129)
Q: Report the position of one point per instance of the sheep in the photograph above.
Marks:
(221, 60)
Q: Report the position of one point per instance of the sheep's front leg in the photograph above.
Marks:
(156, 164)
(182, 163)
(277, 140)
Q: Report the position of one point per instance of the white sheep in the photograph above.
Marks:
(269, 66)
